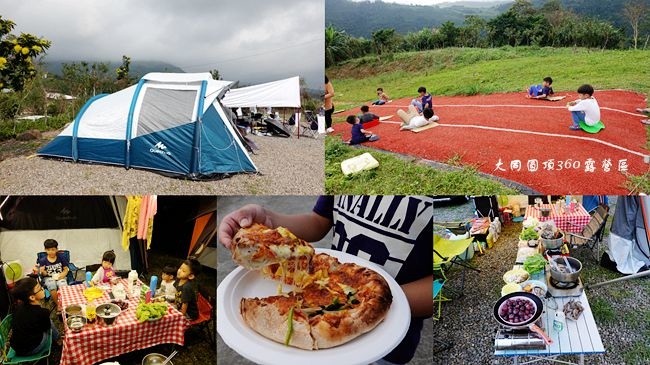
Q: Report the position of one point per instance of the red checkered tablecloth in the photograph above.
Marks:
(99, 341)
(569, 222)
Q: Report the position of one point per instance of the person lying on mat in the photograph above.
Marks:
(366, 115)
(382, 97)
(424, 101)
(412, 119)
(359, 135)
(585, 111)
(540, 91)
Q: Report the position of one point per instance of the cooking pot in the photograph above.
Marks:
(108, 312)
(155, 359)
(566, 276)
(554, 243)
(538, 308)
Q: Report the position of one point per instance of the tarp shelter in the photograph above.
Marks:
(276, 94)
(281, 93)
(172, 123)
(629, 239)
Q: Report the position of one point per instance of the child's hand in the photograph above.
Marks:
(242, 218)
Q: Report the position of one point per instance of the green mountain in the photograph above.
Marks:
(360, 19)
(137, 68)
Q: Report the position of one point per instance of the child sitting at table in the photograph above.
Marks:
(186, 289)
(31, 323)
(105, 273)
(53, 268)
(167, 288)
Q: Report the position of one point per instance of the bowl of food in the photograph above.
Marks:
(516, 276)
(76, 323)
(535, 287)
(510, 288)
(155, 359)
(73, 310)
(108, 312)
(553, 243)
(545, 212)
(123, 304)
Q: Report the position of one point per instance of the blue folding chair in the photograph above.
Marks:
(9, 356)
(71, 278)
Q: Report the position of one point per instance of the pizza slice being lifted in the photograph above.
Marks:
(258, 246)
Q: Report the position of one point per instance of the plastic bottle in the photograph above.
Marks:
(89, 277)
(133, 280)
(91, 312)
(559, 321)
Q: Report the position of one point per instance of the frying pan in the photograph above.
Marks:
(530, 323)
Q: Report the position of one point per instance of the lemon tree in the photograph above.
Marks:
(17, 54)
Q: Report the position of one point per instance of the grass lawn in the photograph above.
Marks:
(399, 176)
(469, 71)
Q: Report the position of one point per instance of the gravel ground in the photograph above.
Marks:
(292, 204)
(286, 165)
(621, 310)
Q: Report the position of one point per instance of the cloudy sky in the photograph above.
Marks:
(246, 40)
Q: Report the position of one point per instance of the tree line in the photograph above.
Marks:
(523, 24)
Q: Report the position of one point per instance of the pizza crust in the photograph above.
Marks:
(269, 320)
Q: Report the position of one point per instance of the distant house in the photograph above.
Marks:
(59, 96)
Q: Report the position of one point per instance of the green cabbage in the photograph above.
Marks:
(535, 263)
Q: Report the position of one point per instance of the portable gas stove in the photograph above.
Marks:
(560, 289)
(524, 339)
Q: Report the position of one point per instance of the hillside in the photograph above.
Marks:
(468, 71)
(360, 19)
(137, 68)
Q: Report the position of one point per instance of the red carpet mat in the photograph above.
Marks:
(527, 141)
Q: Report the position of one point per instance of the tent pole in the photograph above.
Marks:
(633, 276)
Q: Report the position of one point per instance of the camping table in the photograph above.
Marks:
(98, 341)
(568, 222)
(579, 337)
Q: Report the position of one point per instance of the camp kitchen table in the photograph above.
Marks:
(99, 341)
(579, 337)
(567, 221)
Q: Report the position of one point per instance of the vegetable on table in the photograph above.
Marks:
(534, 263)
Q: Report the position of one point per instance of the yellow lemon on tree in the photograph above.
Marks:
(17, 48)
(37, 48)
(25, 51)
(3, 60)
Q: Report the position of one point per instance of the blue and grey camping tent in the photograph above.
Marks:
(172, 123)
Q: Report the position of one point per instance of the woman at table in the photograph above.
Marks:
(31, 323)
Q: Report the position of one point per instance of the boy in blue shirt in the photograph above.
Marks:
(360, 135)
(425, 100)
(53, 268)
(540, 91)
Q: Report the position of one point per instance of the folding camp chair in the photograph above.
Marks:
(8, 353)
(592, 233)
(438, 284)
(71, 278)
(205, 320)
(446, 254)
(309, 126)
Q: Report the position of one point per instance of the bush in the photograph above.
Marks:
(9, 105)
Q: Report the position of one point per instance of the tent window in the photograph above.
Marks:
(163, 109)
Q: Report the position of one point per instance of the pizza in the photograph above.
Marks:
(258, 246)
(329, 304)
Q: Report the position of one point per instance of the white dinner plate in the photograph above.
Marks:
(365, 349)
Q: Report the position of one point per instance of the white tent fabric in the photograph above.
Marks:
(628, 241)
(281, 93)
(86, 246)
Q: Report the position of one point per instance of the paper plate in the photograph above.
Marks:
(365, 349)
